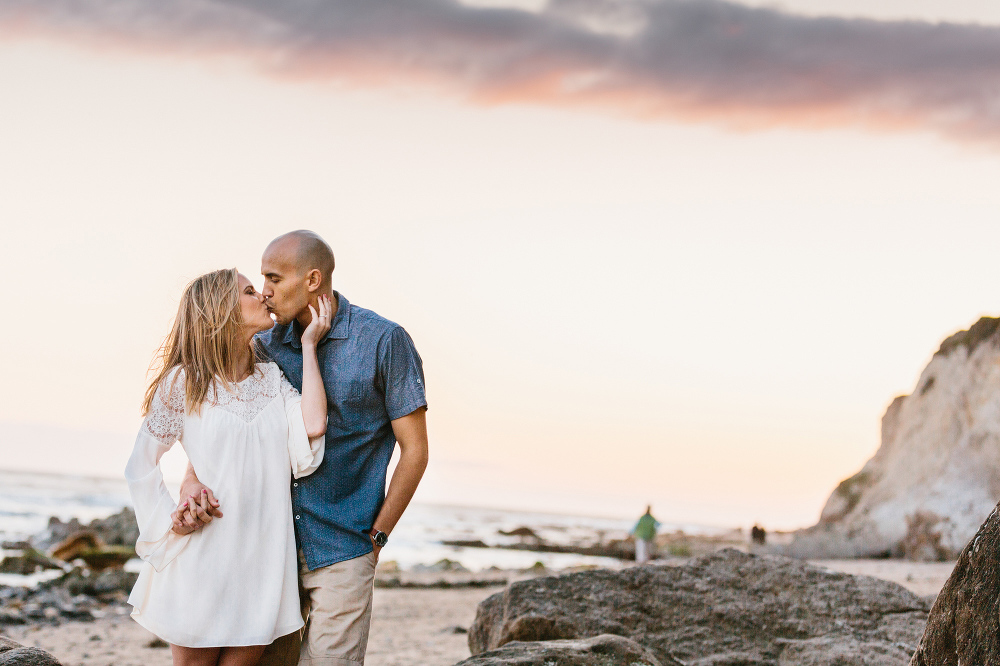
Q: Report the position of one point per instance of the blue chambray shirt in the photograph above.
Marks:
(372, 375)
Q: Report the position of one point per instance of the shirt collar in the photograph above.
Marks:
(338, 331)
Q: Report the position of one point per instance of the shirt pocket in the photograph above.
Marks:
(352, 393)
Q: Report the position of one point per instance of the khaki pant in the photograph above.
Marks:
(337, 609)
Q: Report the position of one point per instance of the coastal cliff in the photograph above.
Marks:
(936, 475)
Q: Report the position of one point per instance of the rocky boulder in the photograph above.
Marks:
(725, 608)
(936, 475)
(120, 529)
(964, 626)
(15, 654)
(604, 650)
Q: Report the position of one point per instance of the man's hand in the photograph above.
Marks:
(375, 548)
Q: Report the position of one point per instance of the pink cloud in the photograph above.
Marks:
(698, 60)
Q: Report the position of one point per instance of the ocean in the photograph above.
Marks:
(27, 500)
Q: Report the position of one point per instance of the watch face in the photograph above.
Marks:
(381, 538)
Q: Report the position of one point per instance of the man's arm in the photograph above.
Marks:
(411, 435)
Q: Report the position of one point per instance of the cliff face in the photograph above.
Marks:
(936, 475)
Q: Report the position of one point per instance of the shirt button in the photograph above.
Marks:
(295, 485)
(296, 517)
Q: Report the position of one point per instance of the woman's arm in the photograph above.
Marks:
(313, 393)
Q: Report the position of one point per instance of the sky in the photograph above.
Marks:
(679, 252)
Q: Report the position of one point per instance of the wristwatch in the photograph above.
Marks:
(379, 537)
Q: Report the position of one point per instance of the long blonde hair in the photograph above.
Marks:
(204, 340)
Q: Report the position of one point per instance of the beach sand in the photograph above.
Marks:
(409, 626)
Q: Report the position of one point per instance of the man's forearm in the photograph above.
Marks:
(192, 489)
(403, 485)
(189, 478)
(411, 434)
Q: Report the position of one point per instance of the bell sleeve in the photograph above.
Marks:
(162, 427)
(304, 454)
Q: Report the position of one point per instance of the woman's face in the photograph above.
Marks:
(256, 318)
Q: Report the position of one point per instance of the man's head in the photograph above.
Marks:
(297, 268)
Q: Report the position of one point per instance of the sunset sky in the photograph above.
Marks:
(672, 251)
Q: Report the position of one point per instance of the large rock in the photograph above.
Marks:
(964, 626)
(725, 608)
(15, 654)
(936, 475)
(120, 529)
(603, 650)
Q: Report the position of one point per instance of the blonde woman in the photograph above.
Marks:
(219, 595)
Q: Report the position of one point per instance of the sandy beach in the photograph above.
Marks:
(409, 626)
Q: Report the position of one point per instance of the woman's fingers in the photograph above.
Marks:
(200, 515)
(213, 504)
(188, 519)
(206, 507)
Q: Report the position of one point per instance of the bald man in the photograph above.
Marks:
(343, 513)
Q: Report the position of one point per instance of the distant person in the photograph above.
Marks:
(343, 512)
(758, 535)
(219, 596)
(644, 533)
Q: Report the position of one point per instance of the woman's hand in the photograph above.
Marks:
(191, 515)
(320, 324)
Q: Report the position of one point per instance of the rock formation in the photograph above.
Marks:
(15, 654)
(603, 650)
(964, 627)
(725, 608)
(936, 475)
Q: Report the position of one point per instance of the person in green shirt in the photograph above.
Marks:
(644, 533)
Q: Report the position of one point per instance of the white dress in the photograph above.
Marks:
(235, 581)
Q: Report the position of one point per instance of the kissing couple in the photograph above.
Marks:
(289, 403)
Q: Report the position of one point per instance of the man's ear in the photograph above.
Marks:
(314, 279)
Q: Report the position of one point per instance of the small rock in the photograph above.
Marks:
(121, 529)
(27, 561)
(454, 629)
(115, 580)
(603, 650)
(55, 532)
(442, 565)
(11, 616)
(523, 532)
(157, 643)
(7, 644)
(15, 654)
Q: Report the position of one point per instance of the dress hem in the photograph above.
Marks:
(164, 635)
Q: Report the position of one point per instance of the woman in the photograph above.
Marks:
(221, 594)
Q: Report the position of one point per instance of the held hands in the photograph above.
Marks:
(320, 324)
(193, 514)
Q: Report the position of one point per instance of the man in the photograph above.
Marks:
(343, 513)
(644, 532)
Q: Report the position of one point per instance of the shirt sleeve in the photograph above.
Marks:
(304, 454)
(401, 374)
(162, 427)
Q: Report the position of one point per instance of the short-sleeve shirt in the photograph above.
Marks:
(372, 374)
